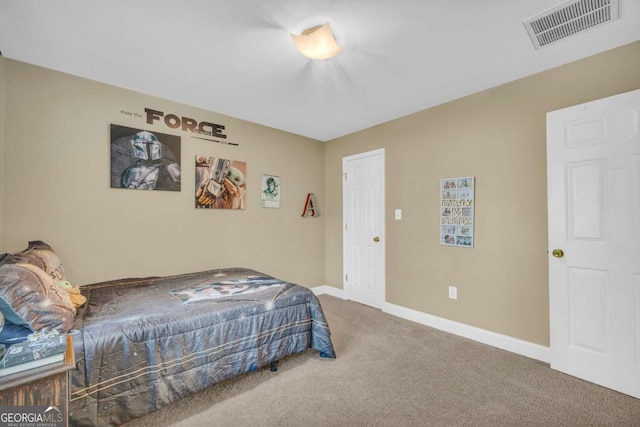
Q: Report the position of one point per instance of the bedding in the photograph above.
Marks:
(39, 254)
(141, 344)
(10, 333)
(31, 298)
(30, 295)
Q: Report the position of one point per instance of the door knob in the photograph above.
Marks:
(558, 253)
(376, 239)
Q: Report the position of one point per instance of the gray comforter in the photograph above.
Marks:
(141, 344)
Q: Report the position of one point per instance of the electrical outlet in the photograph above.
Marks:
(453, 292)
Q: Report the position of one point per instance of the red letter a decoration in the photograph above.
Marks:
(310, 206)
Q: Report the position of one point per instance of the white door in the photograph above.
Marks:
(593, 155)
(363, 217)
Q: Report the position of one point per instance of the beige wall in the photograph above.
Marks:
(499, 137)
(2, 180)
(56, 188)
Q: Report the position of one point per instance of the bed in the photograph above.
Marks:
(143, 343)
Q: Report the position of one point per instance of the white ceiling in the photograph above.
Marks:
(235, 57)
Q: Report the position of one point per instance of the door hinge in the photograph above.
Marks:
(345, 176)
(346, 277)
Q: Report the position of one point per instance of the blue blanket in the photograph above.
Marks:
(141, 344)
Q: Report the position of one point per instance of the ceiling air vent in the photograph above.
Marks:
(568, 19)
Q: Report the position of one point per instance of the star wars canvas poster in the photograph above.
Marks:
(143, 160)
(220, 183)
(457, 211)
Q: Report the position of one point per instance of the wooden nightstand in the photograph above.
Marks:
(44, 386)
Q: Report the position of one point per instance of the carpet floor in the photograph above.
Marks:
(393, 372)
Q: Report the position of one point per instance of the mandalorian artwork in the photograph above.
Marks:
(144, 160)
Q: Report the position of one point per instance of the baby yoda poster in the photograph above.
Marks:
(220, 183)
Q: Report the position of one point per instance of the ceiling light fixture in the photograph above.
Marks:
(317, 42)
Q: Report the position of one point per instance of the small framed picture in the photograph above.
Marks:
(270, 191)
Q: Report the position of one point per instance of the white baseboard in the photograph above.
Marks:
(328, 290)
(504, 342)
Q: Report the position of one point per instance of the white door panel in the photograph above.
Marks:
(586, 205)
(593, 153)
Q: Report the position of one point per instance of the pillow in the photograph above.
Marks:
(22, 258)
(43, 253)
(43, 256)
(31, 298)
